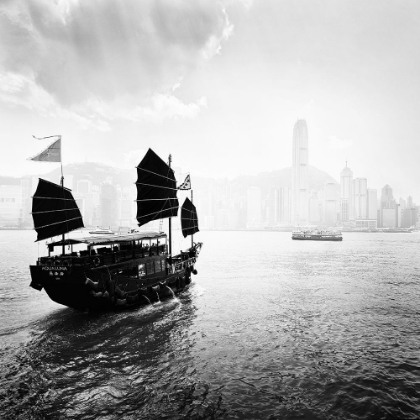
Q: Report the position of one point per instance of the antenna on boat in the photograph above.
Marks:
(170, 221)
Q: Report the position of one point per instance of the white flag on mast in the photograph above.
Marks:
(186, 185)
(52, 153)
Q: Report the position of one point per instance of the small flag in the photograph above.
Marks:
(56, 137)
(186, 185)
(52, 153)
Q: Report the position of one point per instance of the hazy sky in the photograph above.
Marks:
(219, 85)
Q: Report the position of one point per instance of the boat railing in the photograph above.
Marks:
(101, 258)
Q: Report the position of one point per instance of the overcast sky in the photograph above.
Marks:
(219, 85)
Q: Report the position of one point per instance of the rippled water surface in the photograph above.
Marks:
(269, 329)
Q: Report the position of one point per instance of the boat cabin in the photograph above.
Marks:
(96, 251)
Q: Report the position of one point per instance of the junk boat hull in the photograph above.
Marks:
(114, 280)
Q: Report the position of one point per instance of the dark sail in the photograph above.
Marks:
(156, 189)
(189, 220)
(54, 210)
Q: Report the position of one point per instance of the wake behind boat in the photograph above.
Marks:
(106, 271)
(317, 235)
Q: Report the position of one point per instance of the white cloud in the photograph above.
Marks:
(166, 106)
(18, 90)
(106, 49)
(133, 158)
(339, 144)
(98, 61)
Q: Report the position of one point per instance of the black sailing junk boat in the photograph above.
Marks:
(120, 270)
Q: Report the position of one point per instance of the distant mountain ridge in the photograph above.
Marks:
(98, 173)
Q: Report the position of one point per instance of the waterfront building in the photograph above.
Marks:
(387, 198)
(285, 208)
(409, 217)
(390, 218)
(300, 173)
(273, 208)
(10, 205)
(315, 208)
(360, 198)
(254, 216)
(108, 206)
(28, 185)
(368, 224)
(84, 186)
(330, 204)
(126, 197)
(372, 204)
(410, 203)
(387, 203)
(315, 211)
(346, 195)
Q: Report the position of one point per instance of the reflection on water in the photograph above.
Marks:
(270, 328)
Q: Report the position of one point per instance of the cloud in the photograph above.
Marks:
(133, 158)
(74, 54)
(17, 90)
(105, 48)
(339, 144)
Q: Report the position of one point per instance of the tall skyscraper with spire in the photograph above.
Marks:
(347, 195)
(300, 201)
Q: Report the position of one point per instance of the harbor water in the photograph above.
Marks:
(270, 328)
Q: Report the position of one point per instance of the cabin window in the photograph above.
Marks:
(149, 268)
(157, 266)
(130, 272)
(141, 270)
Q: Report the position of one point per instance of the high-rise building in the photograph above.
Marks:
(402, 203)
(372, 204)
(285, 205)
(360, 198)
(387, 198)
(254, 218)
(346, 194)
(300, 173)
(410, 203)
(274, 207)
(330, 204)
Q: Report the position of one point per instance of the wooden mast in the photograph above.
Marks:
(192, 236)
(62, 186)
(170, 221)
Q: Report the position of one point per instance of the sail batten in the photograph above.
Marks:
(157, 186)
(54, 210)
(156, 189)
(189, 219)
(151, 172)
(56, 223)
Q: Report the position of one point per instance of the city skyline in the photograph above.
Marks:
(106, 197)
(216, 94)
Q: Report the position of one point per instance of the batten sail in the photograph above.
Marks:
(189, 219)
(156, 189)
(54, 210)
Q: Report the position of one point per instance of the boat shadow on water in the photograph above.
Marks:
(132, 364)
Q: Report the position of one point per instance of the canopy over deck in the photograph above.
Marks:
(108, 239)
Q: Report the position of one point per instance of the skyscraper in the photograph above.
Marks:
(300, 173)
(346, 193)
(372, 210)
(330, 203)
(360, 198)
(387, 198)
